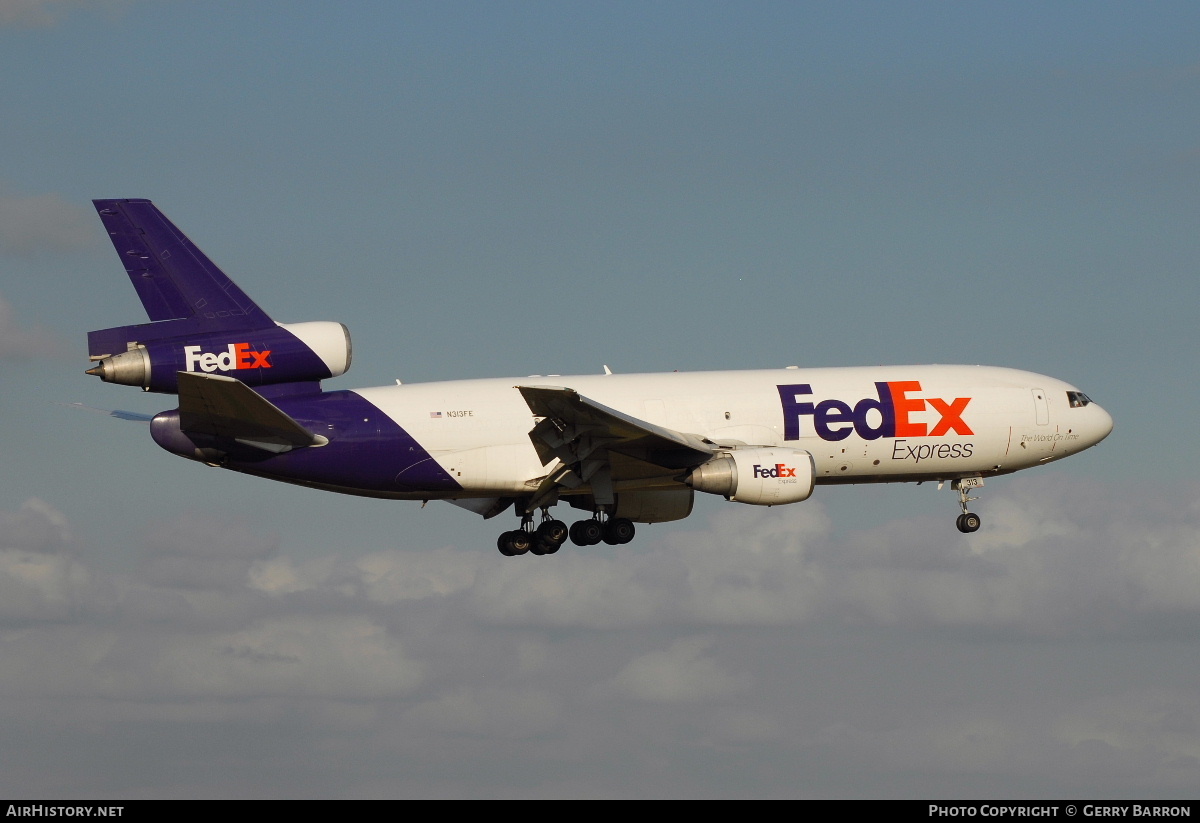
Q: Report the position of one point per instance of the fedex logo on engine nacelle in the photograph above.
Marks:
(778, 470)
(835, 419)
(237, 356)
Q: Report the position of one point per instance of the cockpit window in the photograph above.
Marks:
(1078, 399)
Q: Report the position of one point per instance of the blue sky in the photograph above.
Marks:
(488, 189)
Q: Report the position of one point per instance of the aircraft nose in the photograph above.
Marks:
(1102, 424)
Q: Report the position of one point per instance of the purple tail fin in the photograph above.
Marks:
(182, 291)
(173, 278)
(200, 320)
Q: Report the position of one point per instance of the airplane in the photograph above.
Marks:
(622, 448)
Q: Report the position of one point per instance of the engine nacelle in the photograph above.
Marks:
(283, 353)
(759, 477)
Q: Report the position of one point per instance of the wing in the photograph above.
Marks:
(599, 445)
(221, 406)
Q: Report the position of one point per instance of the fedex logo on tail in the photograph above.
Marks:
(895, 403)
(237, 356)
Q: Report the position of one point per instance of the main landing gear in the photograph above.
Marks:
(545, 539)
(548, 537)
(967, 522)
(614, 531)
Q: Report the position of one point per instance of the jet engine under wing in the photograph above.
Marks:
(220, 406)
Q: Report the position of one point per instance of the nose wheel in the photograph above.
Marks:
(967, 522)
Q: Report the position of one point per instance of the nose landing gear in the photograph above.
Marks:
(967, 522)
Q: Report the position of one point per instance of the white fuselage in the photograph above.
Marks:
(861, 424)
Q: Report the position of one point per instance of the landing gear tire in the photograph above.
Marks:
(549, 537)
(587, 533)
(515, 542)
(968, 522)
(618, 531)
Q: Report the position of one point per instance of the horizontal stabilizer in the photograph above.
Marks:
(223, 407)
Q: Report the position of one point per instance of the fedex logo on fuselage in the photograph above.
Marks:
(237, 356)
(836, 420)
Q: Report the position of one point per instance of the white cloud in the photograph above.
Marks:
(39, 579)
(749, 567)
(36, 526)
(1151, 732)
(501, 712)
(39, 587)
(763, 654)
(391, 577)
(344, 657)
(1042, 565)
(681, 673)
(205, 551)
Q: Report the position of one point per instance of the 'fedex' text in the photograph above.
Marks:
(835, 419)
(778, 470)
(237, 356)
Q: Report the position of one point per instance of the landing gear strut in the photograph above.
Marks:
(967, 522)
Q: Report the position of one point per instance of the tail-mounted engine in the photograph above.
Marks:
(280, 353)
(760, 477)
